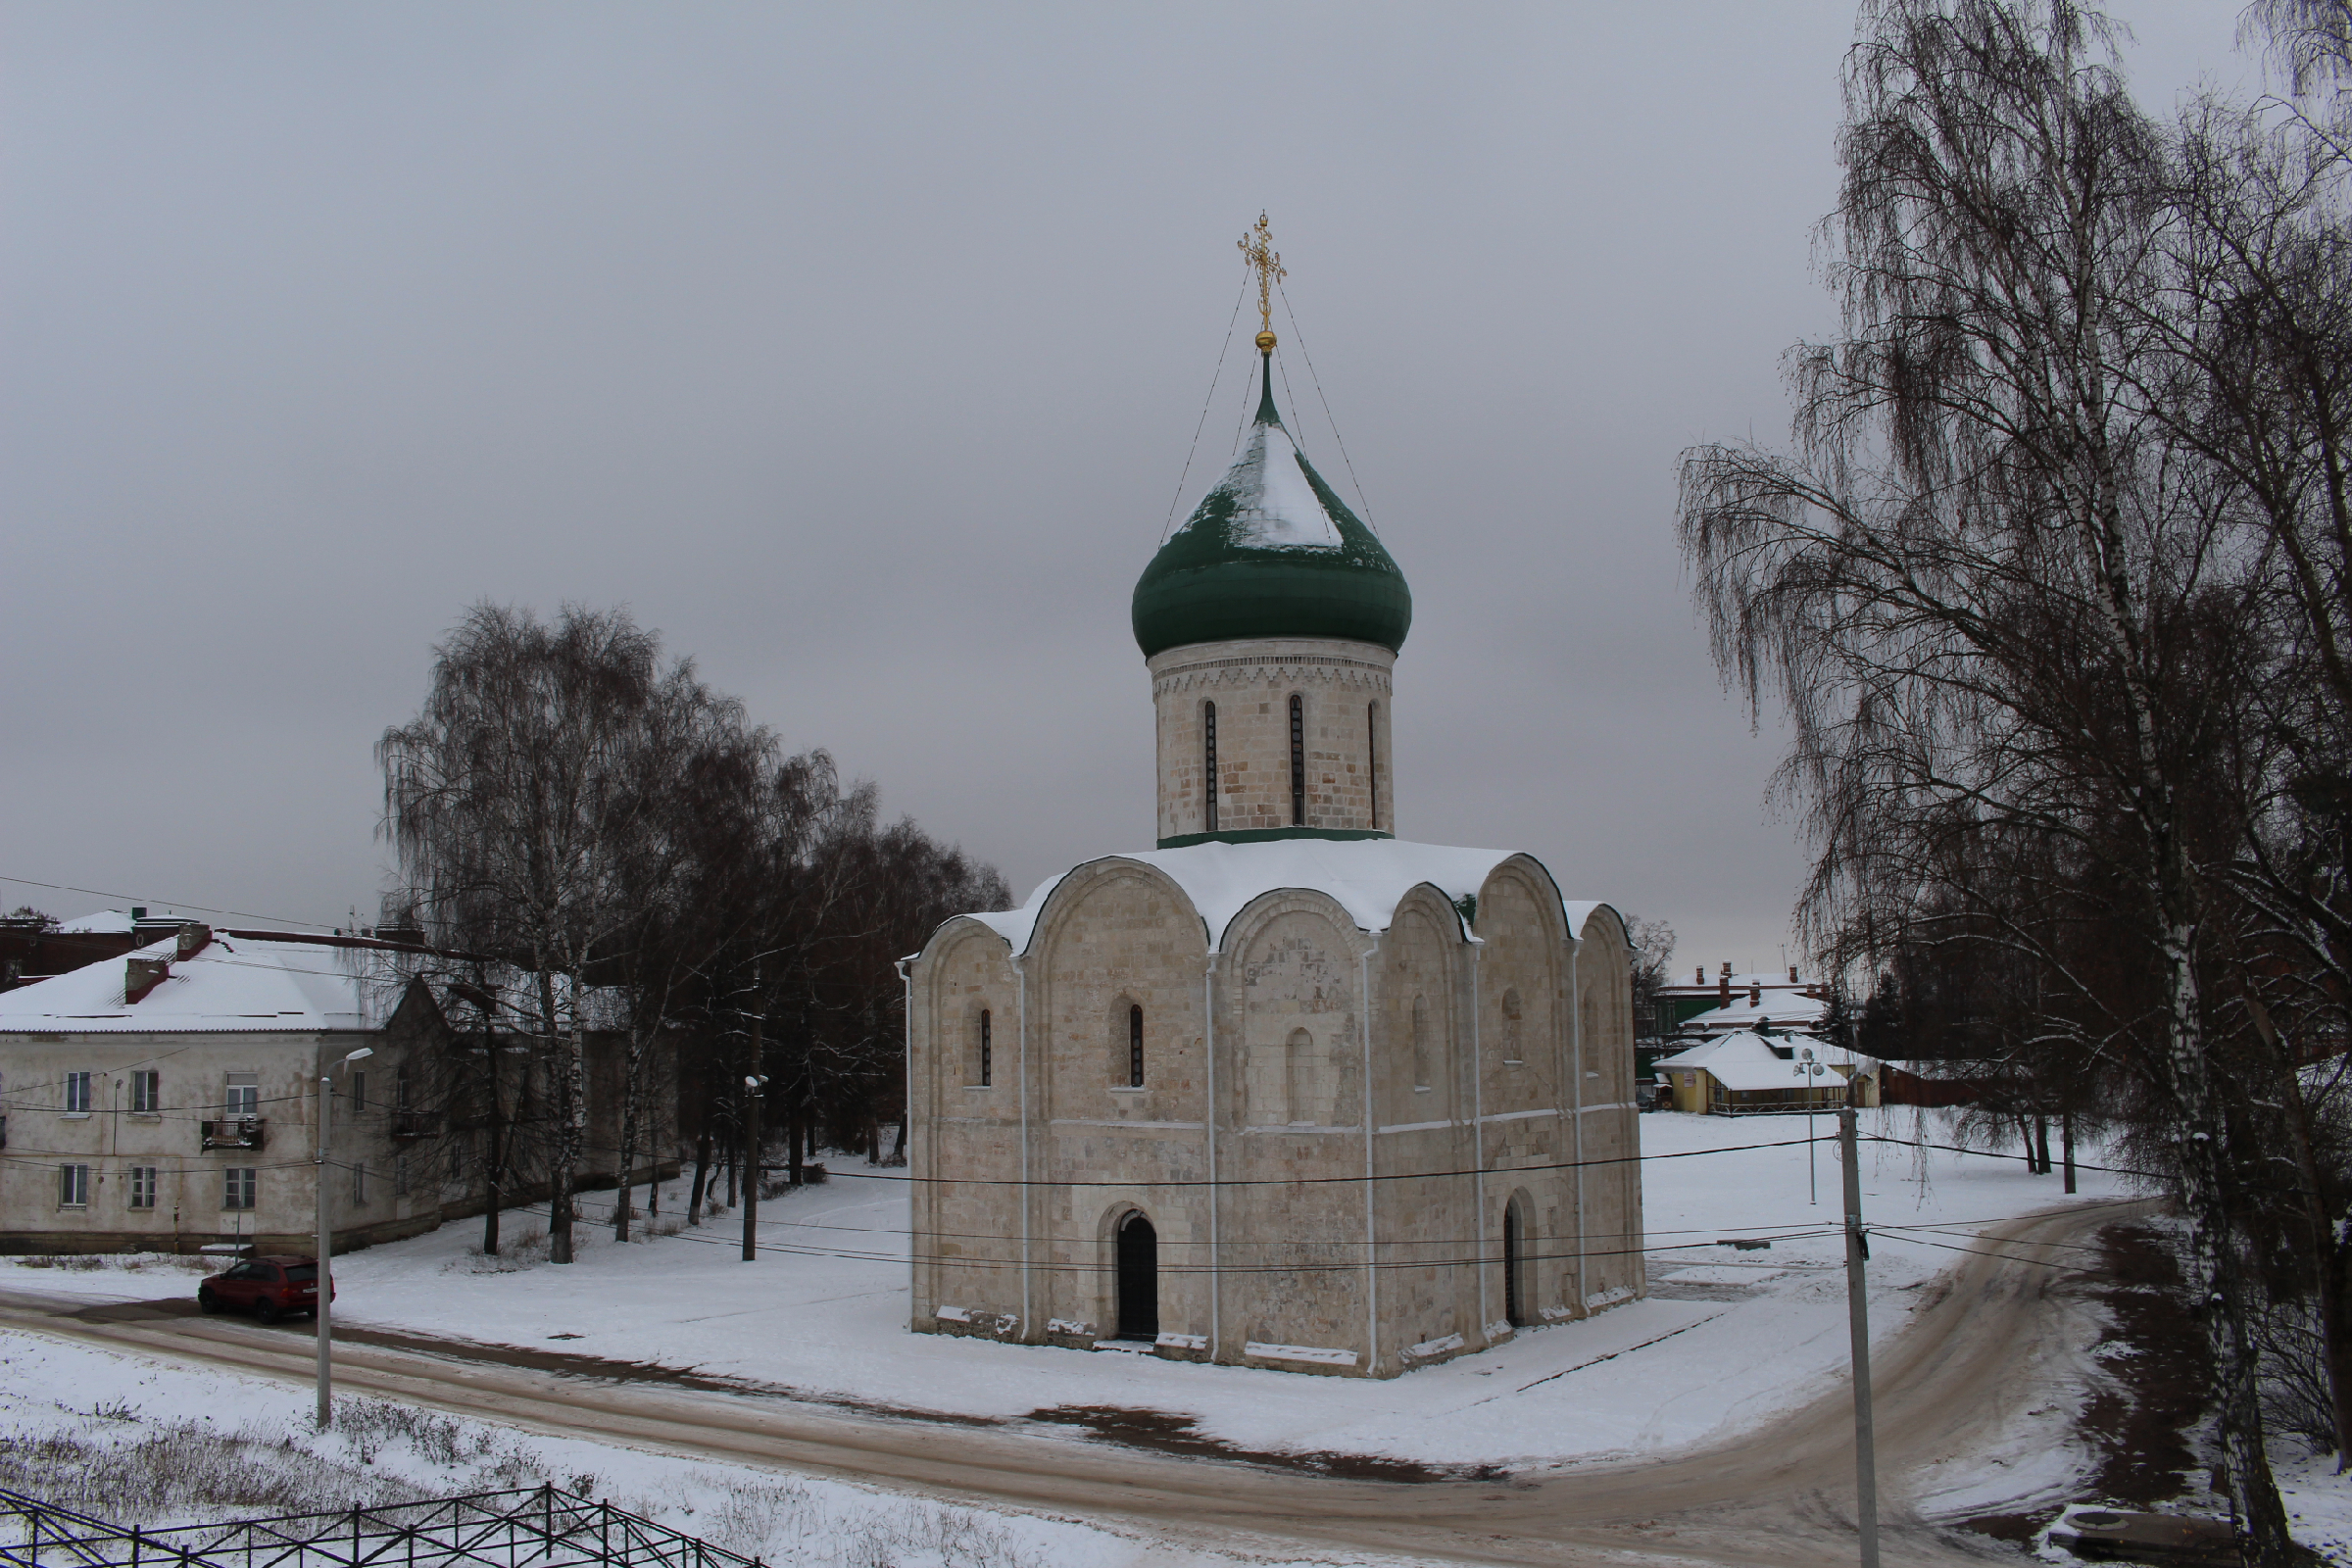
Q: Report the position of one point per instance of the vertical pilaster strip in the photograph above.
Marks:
(1371, 1232)
(1020, 967)
(1478, 1140)
(1216, 1256)
(1576, 1072)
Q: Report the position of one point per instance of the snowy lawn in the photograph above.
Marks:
(1731, 1336)
(135, 1441)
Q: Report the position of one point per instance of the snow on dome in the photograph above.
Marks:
(106, 923)
(1366, 877)
(1274, 507)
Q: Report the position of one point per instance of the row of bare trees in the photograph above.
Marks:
(641, 865)
(2055, 583)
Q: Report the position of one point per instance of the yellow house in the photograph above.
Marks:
(1749, 1074)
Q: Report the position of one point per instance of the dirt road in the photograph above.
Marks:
(1781, 1496)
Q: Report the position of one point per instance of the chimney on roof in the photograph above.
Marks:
(1723, 988)
(138, 911)
(1756, 993)
(142, 975)
(1703, 976)
(1792, 974)
(194, 938)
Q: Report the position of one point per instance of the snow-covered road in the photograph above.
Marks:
(1950, 1383)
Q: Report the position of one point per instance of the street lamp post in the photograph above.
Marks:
(324, 1315)
(753, 1083)
(1807, 1070)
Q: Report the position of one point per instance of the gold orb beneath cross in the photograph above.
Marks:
(1265, 342)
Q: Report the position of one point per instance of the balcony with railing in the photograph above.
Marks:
(234, 1132)
(406, 1126)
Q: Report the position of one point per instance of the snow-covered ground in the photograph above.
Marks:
(1729, 1338)
(136, 1440)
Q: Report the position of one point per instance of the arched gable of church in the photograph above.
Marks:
(1293, 976)
(1523, 1018)
(966, 1041)
(1421, 1066)
(1115, 970)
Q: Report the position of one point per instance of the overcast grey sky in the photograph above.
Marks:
(858, 349)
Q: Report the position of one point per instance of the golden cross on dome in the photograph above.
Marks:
(1258, 249)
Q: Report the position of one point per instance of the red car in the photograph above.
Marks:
(270, 1287)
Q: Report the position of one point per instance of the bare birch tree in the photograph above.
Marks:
(1982, 581)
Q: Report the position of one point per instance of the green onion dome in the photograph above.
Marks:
(1271, 552)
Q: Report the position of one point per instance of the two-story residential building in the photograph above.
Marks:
(170, 1098)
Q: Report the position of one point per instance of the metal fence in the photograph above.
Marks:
(535, 1526)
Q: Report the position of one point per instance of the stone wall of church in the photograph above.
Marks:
(1455, 1075)
(1428, 1225)
(1118, 939)
(963, 1143)
(1344, 693)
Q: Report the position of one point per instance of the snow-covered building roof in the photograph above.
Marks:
(1785, 1011)
(106, 923)
(232, 983)
(1746, 1061)
(1366, 877)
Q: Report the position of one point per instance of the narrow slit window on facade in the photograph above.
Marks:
(988, 1052)
(1298, 761)
(1208, 776)
(1372, 759)
(1134, 1047)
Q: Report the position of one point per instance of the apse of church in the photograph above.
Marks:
(1284, 1090)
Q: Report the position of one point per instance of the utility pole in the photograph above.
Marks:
(1857, 1305)
(324, 1287)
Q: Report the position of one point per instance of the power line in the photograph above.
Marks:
(135, 898)
(1321, 1181)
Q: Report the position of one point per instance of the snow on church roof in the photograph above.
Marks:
(1367, 877)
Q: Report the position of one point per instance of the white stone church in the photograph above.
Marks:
(1284, 1091)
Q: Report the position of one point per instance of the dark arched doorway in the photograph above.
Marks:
(1139, 1279)
(1514, 1263)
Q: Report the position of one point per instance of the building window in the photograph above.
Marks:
(142, 1186)
(1298, 761)
(1134, 1047)
(359, 1092)
(1208, 776)
(1514, 1049)
(988, 1052)
(77, 1093)
(237, 1188)
(243, 1101)
(400, 1176)
(1422, 1078)
(1298, 1078)
(146, 1093)
(73, 1185)
(1372, 759)
(359, 1184)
